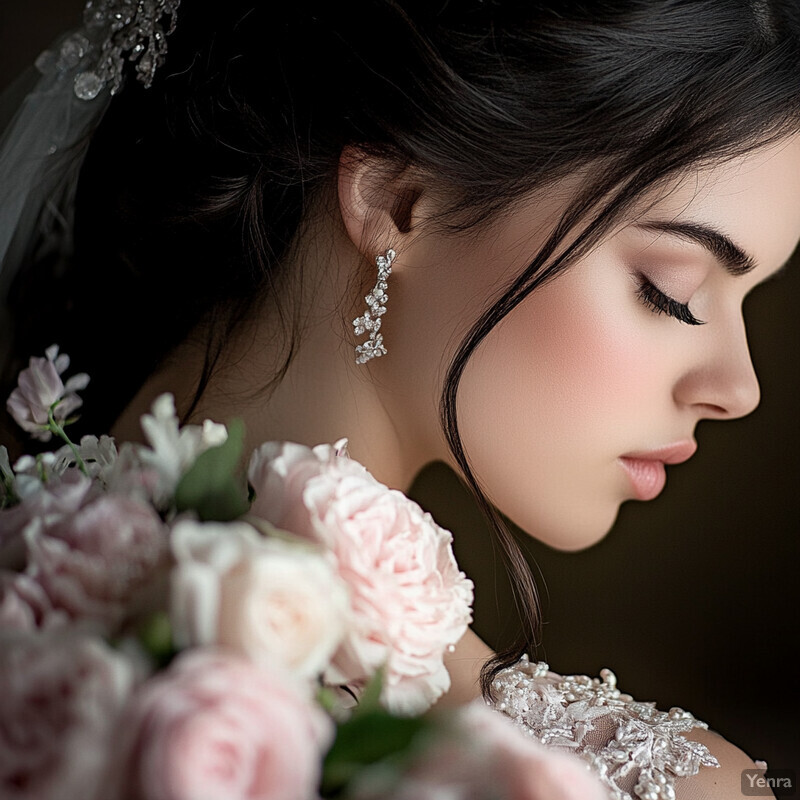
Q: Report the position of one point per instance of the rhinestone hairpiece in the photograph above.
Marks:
(122, 30)
(371, 319)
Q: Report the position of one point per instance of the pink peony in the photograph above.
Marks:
(482, 755)
(266, 598)
(409, 600)
(39, 387)
(98, 560)
(216, 726)
(62, 696)
(24, 605)
(61, 496)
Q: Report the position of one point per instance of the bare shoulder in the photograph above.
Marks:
(716, 783)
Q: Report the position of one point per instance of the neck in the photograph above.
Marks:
(464, 665)
(323, 395)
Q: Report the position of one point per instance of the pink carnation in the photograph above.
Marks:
(216, 726)
(62, 696)
(409, 600)
(97, 561)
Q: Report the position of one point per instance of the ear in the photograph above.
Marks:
(378, 200)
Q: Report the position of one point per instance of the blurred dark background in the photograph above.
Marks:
(693, 598)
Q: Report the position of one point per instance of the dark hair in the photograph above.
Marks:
(193, 191)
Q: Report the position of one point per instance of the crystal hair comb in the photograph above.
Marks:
(116, 31)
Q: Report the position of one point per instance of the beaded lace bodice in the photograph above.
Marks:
(636, 750)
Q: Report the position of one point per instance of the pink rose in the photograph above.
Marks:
(39, 387)
(409, 600)
(482, 754)
(62, 696)
(98, 561)
(216, 726)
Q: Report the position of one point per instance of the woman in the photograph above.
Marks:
(577, 202)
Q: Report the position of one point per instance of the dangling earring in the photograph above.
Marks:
(371, 321)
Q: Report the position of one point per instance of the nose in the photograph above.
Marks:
(721, 383)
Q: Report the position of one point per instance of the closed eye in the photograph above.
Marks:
(660, 303)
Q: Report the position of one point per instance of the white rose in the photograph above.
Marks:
(266, 598)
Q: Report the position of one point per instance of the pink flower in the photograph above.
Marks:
(24, 605)
(60, 496)
(482, 755)
(99, 560)
(409, 600)
(62, 696)
(526, 769)
(131, 476)
(216, 726)
(39, 387)
(264, 597)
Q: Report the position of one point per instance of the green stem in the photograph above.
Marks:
(9, 496)
(40, 468)
(56, 428)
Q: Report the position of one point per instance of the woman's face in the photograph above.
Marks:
(572, 404)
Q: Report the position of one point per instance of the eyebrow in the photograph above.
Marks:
(735, 260)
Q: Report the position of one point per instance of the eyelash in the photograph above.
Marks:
(660, 303)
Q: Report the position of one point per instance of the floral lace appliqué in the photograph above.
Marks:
(636, 750)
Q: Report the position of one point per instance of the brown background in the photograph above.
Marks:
(692, 598)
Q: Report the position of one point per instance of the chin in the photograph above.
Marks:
(570, 533)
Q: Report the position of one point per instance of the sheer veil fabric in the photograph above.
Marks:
(46, 130)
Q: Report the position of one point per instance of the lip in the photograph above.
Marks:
(646, 468)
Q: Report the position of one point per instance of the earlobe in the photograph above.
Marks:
(376, 200)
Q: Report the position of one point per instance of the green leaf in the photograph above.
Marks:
(371, 736)
(212, 486)
(327, 698)
(364, 740)
(370, 699)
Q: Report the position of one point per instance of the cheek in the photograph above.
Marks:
(557, 391)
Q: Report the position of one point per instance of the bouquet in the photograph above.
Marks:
(173, 627)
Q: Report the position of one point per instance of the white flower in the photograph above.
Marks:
(266, 598)
(32, 474)
(39, 388)
(174, 448)
(98, 456)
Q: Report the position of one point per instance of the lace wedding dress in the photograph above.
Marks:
(637, 751)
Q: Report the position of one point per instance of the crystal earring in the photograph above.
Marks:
(371, 320)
